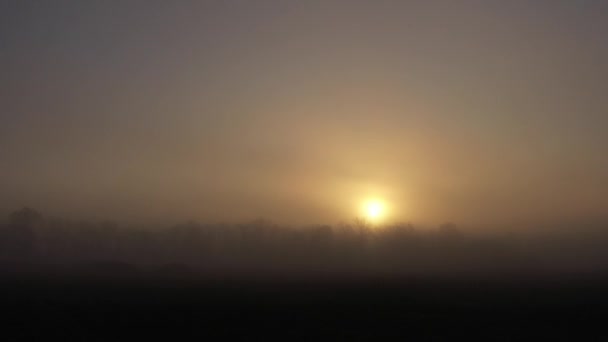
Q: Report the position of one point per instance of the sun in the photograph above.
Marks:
(374, 210)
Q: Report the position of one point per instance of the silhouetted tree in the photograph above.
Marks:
(450, 232)
(20, 236)
(25, 217)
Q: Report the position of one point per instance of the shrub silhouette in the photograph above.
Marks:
(262, 246)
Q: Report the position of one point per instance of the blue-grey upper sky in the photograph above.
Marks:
(470, 111)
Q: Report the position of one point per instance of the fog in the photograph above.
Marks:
(485, 113)
(31, 243)
(338, 170)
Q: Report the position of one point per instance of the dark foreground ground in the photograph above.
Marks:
(490, 308)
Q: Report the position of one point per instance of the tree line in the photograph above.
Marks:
(30, 240)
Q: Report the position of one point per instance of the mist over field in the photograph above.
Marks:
(361, 281)
(29, 242)
(341, 170)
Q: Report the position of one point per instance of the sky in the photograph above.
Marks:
(475, 112)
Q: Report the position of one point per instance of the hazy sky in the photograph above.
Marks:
(466, 111)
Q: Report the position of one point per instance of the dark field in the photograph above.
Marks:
(491, 308)
(256, 281)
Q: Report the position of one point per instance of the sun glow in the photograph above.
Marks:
(374, 210)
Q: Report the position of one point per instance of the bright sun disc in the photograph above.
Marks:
(374, 210)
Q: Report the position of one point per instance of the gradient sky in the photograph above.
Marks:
(477, 112)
